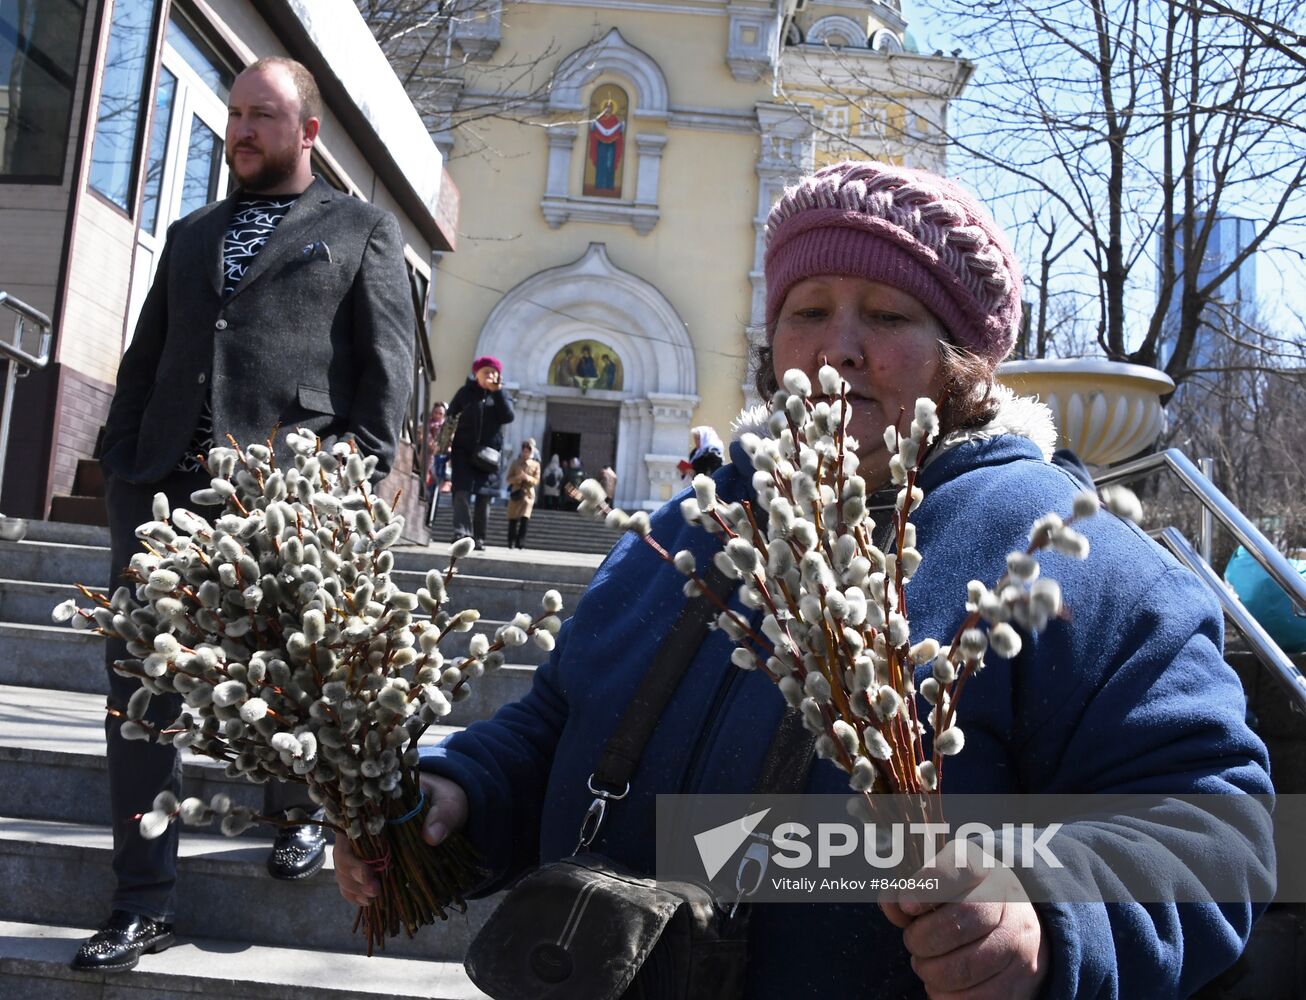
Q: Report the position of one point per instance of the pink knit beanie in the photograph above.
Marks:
(917, 231)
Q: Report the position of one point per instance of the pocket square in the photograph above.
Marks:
(316, 251)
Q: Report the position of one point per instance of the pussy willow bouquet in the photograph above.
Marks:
(834, 632)
(298, 658)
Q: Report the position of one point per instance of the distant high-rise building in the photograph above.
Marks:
(1229, 237)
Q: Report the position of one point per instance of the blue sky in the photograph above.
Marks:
(1280, 280)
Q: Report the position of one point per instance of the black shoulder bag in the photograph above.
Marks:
(584, 927)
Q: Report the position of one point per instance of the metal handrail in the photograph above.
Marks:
(1212, 499)
(1265, 648)
(19, 358)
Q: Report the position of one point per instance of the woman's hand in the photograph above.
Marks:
(978, 937)
(448, 814)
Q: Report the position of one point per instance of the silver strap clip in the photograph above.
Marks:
(753, 865)
(595, 814)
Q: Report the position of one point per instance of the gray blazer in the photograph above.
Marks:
(318, 334)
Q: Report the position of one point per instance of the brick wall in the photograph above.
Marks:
(81, 408)
(402, 476)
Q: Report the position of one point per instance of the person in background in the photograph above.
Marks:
(706, 455)
(575, 476)
(523, 476)
(608, 480)
(483, 409)
(551, 483)
(437, 457)
(285, 304)
(1266, 600)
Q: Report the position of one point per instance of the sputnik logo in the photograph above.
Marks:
(719, 844)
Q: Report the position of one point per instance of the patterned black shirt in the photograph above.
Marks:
(253, 220)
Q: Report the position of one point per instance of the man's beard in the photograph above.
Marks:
(278, 167)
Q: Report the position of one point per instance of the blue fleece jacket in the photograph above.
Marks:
(1132, 695)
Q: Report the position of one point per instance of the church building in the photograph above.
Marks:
(616, 162)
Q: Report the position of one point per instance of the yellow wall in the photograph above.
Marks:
(700, 251)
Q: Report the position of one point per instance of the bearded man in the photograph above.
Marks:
(286, 304)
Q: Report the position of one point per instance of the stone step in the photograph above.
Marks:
(55, 657)
(556, 530)
(79, 510)
(36, 559)
(54, 562)
(60, 873)
(68, 534)
(52, 761)
(34, 966)
(25, 602)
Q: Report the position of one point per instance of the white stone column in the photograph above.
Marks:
(669, 443)
(562, 140)
(787, 151)
(529, 410)
(632, 441)
(650, 147)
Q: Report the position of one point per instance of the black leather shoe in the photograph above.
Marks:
(298, 852)
(119, 944)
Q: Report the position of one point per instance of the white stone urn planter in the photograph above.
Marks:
(1106, 411)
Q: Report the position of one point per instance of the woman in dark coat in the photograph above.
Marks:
(482, 409)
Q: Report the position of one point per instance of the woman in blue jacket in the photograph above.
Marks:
(902, 282)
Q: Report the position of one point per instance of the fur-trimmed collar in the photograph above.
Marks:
(1023, 416)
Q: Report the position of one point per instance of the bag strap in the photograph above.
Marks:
(624, 748)
(789, 755)
(610, 781)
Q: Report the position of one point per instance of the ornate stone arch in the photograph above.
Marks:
(886, 42)
(593, 298)
(836, 25)
(610, 54)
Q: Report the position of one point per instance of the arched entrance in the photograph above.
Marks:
(643, 396)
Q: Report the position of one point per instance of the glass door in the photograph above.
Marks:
(186, 168)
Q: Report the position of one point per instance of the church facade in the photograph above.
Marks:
(616, 163)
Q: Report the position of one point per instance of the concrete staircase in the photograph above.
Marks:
(549, 530)
(242, 934)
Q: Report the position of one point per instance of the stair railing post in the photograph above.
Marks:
(16, 358)
(11, 383)
(1206, 533)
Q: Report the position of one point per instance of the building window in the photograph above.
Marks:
(38, 72)
(164, 101)
(121, 111)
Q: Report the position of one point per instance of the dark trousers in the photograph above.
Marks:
(463, 518)
(517, 531)
(146, 870)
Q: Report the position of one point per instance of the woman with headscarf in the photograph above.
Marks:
(551, 483)
(706, 455)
